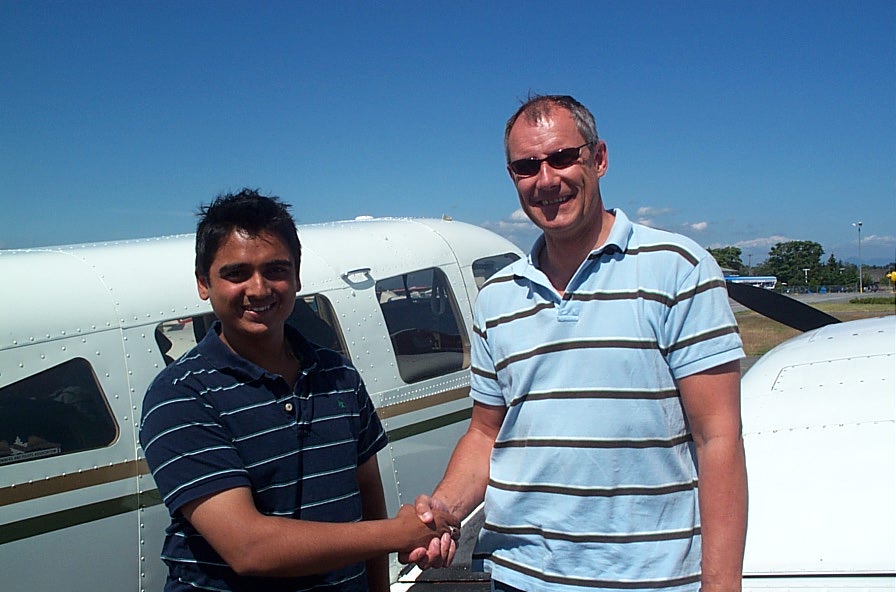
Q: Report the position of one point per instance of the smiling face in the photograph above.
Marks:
(252, 285)
(565, 203)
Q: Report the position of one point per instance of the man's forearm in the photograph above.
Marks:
(723, 512)
(463, 486)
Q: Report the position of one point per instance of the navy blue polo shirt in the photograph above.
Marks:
(214, 421)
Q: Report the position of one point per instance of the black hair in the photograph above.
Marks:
(248, 212)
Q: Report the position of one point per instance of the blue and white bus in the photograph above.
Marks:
(759, 281)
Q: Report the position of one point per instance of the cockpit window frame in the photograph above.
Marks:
(425, 324)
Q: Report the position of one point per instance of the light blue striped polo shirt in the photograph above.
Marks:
(593, 484)
(214, 421)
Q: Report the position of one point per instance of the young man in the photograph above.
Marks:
(263, 444)
(606, 384)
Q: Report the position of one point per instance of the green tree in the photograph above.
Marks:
(728, 257)
(788, 261)
(837, 273)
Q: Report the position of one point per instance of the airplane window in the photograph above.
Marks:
(312, 315)
(177, 337)
(423, 322)
(59, 411)
(315, 319)
(487, 266)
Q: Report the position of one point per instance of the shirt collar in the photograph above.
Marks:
(220, 356)
(620, 234)
(617, 240)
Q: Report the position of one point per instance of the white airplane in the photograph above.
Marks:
(819, 416)
(84, 329)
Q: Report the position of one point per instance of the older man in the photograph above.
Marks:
(605, 380)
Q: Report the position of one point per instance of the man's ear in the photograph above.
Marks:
(601, 157)
(202, 286)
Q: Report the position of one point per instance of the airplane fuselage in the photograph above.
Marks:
(86, 328)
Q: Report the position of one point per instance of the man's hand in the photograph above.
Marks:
(463, 486)
(441, 526)
(441, 550)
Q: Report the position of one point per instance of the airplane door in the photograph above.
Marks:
(425, 314)
(68, 494)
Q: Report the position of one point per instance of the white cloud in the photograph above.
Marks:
(653, 217)
(698, 226)
(768, 241)
(652, 212)
(519, 216)
(878, 239)
(516, 228)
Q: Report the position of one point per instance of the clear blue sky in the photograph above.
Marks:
(735, 123)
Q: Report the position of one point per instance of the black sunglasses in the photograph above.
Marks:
(561, 159)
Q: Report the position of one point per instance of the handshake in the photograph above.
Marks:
(437, 547)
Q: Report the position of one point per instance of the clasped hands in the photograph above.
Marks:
(441, 549)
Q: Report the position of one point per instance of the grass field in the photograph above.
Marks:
(761, 334)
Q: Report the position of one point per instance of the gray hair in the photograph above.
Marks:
(538, 107)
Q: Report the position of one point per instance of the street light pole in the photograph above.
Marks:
(858, 226)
